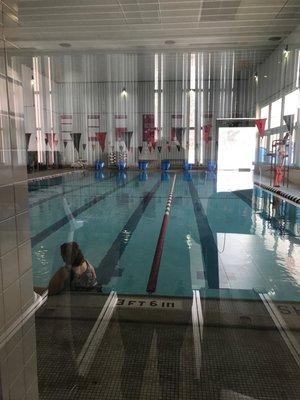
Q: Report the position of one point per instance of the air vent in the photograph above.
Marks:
(275, 38)
(64, 44)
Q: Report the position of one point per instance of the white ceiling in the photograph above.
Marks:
(139, 26)
(145, 25)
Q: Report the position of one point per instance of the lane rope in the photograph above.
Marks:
(152, 281)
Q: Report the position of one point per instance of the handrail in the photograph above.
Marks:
(152, 281)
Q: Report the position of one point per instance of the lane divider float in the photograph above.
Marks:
(152, 281)
(277, 191)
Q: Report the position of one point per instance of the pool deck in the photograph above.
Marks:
(134, 352)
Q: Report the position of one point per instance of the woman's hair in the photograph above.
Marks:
(71, 254)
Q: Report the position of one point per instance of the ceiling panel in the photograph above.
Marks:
(142, 25)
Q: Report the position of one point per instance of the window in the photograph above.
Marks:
(264, 113)
(292, 103)
(276, 113)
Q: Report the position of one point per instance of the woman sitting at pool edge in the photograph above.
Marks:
(76, 274)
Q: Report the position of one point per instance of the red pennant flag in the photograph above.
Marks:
(101, 136)
(206, 132)
(261, 125)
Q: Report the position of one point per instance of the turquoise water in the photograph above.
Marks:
(231, 243)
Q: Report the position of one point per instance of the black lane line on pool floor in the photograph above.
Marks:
(63, 221)
(207, 241)
(109, 262)
(37, 203)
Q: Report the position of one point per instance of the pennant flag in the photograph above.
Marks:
(178, 147)
(127, 138)
(65, 143)
(289, 121)
(27, 138)
(49, 139)
(83, 146)
(140, 148)
(76, 140)
(179, 135)
(93, 146)
(261, 125)
(55, 139)
(206, 132)
(101, 137)
(159, 148)
(207, 128)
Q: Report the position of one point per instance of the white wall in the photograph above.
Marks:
(92, 84)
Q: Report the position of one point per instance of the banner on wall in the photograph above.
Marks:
(27, 139)
(148, 129)
(101, 137)
(289, 121)
(93, 121)
(66, 122)
(76, 140)
(261, 125)
(120, 126)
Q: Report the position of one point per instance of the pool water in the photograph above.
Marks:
(225, 240)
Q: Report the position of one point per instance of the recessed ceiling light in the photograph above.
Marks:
(275, 38)
(64, 44)
(169, 42)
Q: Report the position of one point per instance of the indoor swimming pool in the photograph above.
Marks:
(225, 239)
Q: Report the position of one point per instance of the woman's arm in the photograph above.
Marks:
(58, 281)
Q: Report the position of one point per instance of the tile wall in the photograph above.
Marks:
(18, 369)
